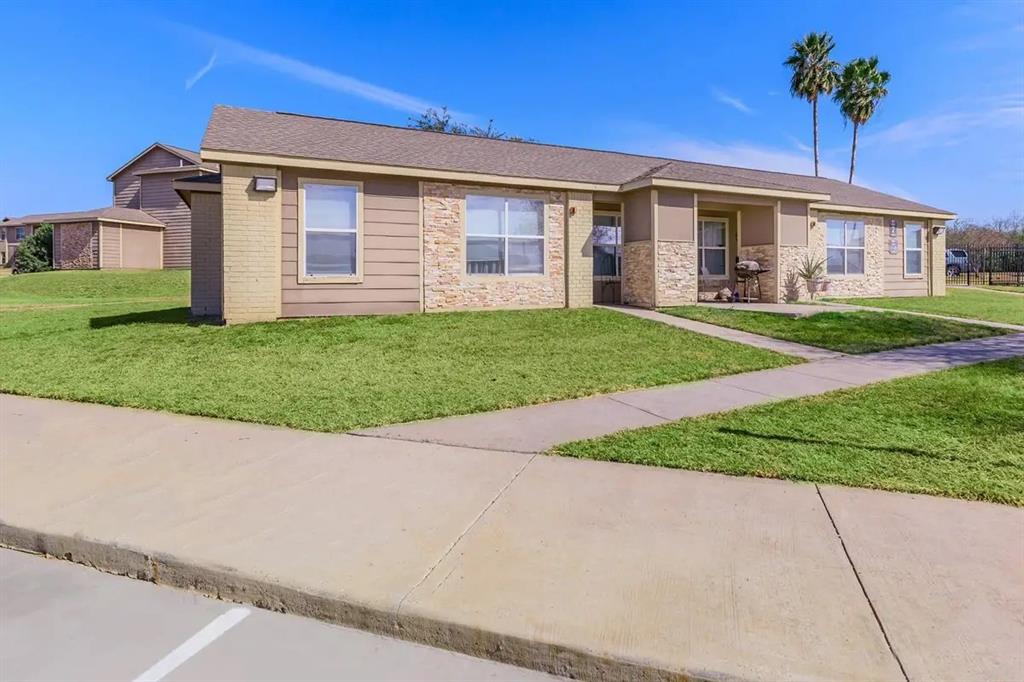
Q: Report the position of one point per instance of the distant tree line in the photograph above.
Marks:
(1005, 231)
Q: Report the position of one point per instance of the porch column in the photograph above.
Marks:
(579, 250)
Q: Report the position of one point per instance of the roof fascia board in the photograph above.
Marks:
(221, 156)
(727, 189)
(175, 169)
(838, 208)
(212, 188)
(143, 153)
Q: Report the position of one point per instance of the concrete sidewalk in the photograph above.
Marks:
(580, 568)
(965, 320)
(538, 427)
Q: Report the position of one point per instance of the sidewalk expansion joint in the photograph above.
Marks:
(860, 582)
(464, 533)
(382, 436)
(662, 417)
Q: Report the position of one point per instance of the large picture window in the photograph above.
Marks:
(504, 235)
(607, 242)
(330, 229)
(712, 247)
(845, 242)
(913, 248)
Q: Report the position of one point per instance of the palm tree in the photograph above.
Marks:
(814, 74)
(861, 87)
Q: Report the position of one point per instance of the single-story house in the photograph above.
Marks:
(148, 225)
(317, 216)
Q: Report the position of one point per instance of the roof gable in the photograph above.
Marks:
(187, 155)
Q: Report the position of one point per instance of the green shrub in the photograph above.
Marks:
(35, 253)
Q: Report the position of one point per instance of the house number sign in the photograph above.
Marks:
(894, 247)
(892, 228)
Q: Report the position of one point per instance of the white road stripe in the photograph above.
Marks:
(194, 644)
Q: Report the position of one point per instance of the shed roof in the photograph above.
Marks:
(114, 214)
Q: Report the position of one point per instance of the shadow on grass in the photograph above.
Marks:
(162, 316)
(893, 449)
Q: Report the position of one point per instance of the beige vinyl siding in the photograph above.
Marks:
(636, 218)
(793, 226)
(140, 246)
(758, 225)
(161, 201)
(675, 215)
(110, 246)
(391, 251)
(127, 184)
(895, 283)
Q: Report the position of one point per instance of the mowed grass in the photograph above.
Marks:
(977, 304)
(957, 433)
(847, 332)
(94, 286)
(335, 374)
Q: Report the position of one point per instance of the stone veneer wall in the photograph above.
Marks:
(579, 251)
(76, 246)
(638, 274)
(872, 282)
(677, 273)
(764, 254)
(447, 286)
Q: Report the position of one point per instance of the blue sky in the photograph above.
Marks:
(88, 85)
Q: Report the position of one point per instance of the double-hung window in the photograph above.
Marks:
(504, 235)
(607, 242)
(711, 247)
(913, 248)
(19, 233)
(330, 229)
(845, 246)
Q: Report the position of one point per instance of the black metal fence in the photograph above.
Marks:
(985, 266)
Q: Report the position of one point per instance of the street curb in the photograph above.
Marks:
(229, 585)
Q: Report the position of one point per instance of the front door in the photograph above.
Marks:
(607, 243)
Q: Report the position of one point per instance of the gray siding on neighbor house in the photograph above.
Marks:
(391, 251)
(110, 246)
(159, 199)
(127, 184)
(140, 246)
(895, 283)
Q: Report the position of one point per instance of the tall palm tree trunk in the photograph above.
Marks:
(853, 152)
(814, 109)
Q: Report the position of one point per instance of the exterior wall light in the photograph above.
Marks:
(264, 184)
(938, 229)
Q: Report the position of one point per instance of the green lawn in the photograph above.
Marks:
(972, 303)
(958, 433)
(850, 332)
(334, 374)
(1009, 288)
(93, 286)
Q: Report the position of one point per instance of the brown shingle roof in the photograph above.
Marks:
(114, 214)
(294, 135)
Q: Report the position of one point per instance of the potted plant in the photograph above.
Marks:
(811, 271)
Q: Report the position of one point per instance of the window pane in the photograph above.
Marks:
(913, 262)
(485, 256)
(835, 231)
(713, 234)
(606, 220)
(485, 215)
(526, 217)
(525, 256)
(913, 236)
(330, 253)
(835, 262)
(714, 261)
(855, 261)
(855, 233)
(605, 258)
(331, 207)
(606, 235)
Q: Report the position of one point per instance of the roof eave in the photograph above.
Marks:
(729, 189)
(934, 214)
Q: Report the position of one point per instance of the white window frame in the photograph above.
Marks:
(302, 275)
(700, 247)
(618, 243)
(863, 249)
(906, 229)
(542, 236)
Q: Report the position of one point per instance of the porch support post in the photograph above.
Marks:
(579, 250)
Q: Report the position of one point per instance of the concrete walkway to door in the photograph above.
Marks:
(539, 427)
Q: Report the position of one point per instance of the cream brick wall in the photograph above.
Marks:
(638, 274)
(447, 286)
(937, 260)
(252, 246)
(677, 273)
(579, 251)
(207, 255)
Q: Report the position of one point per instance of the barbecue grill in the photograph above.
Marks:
(747, 272)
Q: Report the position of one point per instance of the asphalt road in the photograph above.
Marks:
(61, 621)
